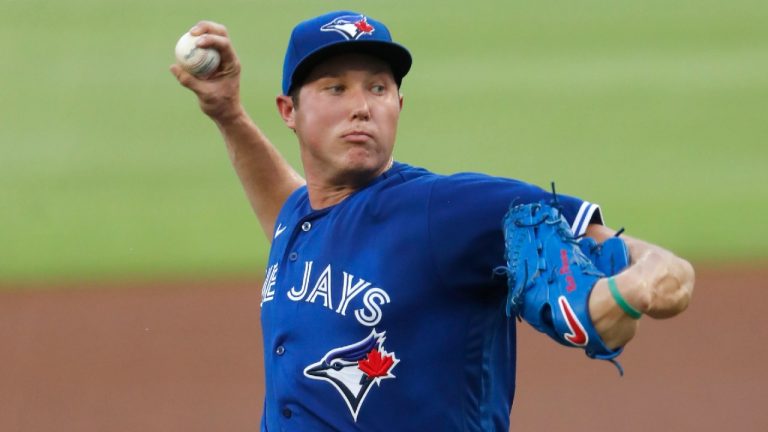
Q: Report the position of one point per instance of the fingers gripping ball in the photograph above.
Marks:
(200, 62)
(550, 279)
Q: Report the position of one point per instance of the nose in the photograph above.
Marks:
(359, 105)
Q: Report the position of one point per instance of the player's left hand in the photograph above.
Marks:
(657, 283)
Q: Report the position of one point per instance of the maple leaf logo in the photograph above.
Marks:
(375, 365)
(363, 26)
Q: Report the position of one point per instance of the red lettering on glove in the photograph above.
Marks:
(570, 282)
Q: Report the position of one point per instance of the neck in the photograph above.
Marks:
(321, 196)
(325, 193)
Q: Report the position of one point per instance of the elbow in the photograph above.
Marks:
(679, 293)
(670, 289)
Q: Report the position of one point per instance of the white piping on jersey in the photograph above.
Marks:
(583, 217)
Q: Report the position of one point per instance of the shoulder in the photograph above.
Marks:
(486, 197)
(477, 195)
(404, 176)
(467, 192)
(469, 185)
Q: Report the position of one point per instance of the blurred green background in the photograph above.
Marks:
(108, 170)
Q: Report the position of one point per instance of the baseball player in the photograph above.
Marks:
(390, 292)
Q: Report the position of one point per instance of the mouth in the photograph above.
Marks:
(357, 136)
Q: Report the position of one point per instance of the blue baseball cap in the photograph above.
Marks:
(339, 32)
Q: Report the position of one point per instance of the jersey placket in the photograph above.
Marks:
(284, 361)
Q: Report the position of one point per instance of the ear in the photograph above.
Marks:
(401, 101)
(286, 109)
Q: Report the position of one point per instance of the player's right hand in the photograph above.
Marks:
(219, 93)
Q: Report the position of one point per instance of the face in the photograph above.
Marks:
(346, 119)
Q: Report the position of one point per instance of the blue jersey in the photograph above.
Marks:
(383, 312)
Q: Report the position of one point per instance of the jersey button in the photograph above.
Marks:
(293, 256)
(306, 226)
(287, 413)
(280, 350)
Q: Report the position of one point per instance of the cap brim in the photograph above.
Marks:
(396, 55)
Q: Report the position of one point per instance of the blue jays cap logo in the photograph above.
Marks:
(354, 368)
(349, 26)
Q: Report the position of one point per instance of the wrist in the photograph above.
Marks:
(634, 287)
(231, 117)
(621, 301)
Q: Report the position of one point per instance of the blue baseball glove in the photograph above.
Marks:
(610, 257)
(550, 278)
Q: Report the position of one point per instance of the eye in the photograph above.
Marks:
(378, 88)
(337, 366)
(335, 88)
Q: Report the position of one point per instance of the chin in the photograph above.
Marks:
(362, 170)
(362, 160)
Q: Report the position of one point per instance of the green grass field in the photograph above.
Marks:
(656, 110)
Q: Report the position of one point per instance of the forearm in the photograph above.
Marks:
(657, 283)
(266, 176)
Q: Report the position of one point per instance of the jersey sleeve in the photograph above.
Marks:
(465, 214)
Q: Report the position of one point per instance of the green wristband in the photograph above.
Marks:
(626, 307)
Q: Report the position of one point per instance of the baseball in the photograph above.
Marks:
(200, 62)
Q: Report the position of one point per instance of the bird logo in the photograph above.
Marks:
(349, 26)
(353, 369)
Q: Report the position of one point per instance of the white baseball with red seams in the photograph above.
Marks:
(198, 61)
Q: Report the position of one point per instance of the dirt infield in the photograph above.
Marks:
(187, 357)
